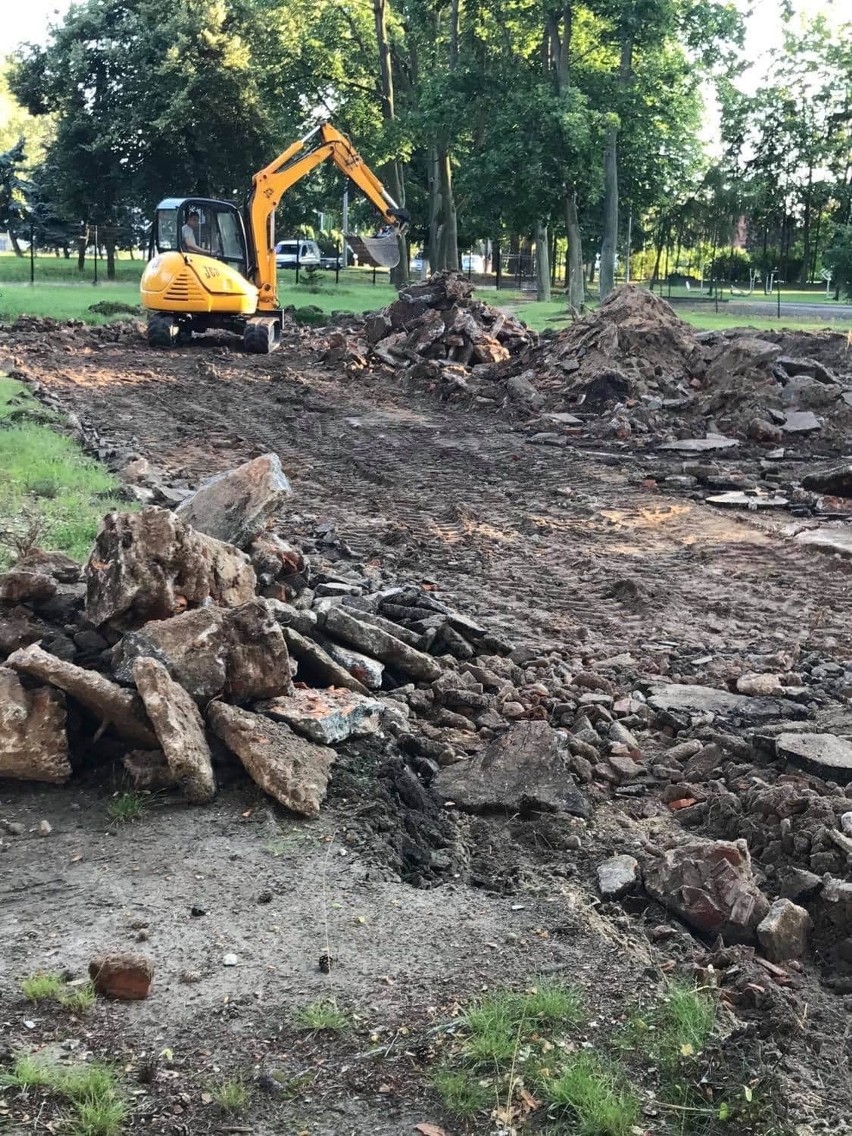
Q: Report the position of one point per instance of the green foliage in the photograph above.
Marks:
(594, 1095)
(461, 1092)
(78, 999)
(92, 1091)
(839, 258)
(676, 1029)
(45, 474)
(43, 987)
(231, 1095)
(323, 1015)
(496, 1024)
(127, 807)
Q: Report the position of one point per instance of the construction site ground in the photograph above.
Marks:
(549, 546)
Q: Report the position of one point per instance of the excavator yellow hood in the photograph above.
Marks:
(186, 282)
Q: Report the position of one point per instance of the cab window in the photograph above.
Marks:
(167, 230)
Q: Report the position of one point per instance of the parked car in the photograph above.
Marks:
(331, 262)
(306, 252)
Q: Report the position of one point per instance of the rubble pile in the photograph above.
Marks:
(633, 369)
(436, 332)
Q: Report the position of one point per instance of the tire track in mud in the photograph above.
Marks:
(549, 543)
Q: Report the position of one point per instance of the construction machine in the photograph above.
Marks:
(215, 264)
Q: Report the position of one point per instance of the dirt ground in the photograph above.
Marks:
(567, 546)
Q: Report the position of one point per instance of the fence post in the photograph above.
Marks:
(778, 292)
(32, 253)
(95, 281)
(337, 263)
(298, 257)
(374, 274)
(496, 255)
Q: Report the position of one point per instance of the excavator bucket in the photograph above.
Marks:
(377, 252)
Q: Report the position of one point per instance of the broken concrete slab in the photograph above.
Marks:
(783, 932)
(191, 646)
(759, 685)
(736, 499)
(710, 885)
(22, 585)
(235, 506)
(258, 661)
(121, 709)
(677, 702)
(179, 729)
(291, 769)
(700, 445)
(365, 669)
(800, 422)
(374, 641)
(827, 540)
(150, 565)
(326, 716)
(525, 769)
(33, 739)
(618, 876)
(316, 663)
(835, 481)
(825, 755)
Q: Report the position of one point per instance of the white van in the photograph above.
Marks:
(306, 252)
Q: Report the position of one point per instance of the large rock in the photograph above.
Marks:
(710, 885)
(700, 445)
(179, 729)
(374, 641)
(33, 741)
(150, 565)
(783, 932)
(678, 702)
(22, 585)
(236, 652)
(525, 769)
(291, 769)
(618, 876)
(326, 716)
(366, 670)
(236, 505)
(120, 708)
(827, 540)
(746, 357)
(125, 976)
(826, 755)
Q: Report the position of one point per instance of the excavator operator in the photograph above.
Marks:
(188, 234)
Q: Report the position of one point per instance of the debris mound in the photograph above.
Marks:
(436, 330)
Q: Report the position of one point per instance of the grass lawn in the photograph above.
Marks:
(50, 492)
(56, 269)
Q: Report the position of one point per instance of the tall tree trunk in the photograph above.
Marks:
(16, 247)
(109, 245)
(542, 262)
(559, 30)
(82, 244)
(806, 230)
(448, 240)
(433, 250)
(394, 175)
(576, 281)
(609, 242)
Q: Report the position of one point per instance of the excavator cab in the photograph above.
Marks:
(219, 229)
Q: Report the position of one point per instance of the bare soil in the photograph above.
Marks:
(565, 546)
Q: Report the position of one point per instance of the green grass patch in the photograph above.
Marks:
(43, 987)
(58, 270)
(595, 1096)
(323, 1015)
(231, 1095)
(50, 491)
(125, 808)
(675, 1030)
(461, 1092)
(97, 1108)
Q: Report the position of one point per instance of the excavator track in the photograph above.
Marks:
(262, 335)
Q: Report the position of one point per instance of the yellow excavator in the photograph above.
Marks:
(215, 264)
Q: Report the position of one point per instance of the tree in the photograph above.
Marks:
(13, 192)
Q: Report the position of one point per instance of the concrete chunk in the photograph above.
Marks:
(783, 932)
(326, 716)
(33, 741)
(378, 643)
(122, 709)
(179, 729)
(826, 755)
(291, 769)
(235, 506)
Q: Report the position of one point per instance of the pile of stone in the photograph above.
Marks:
(437, 332)
(199, 632)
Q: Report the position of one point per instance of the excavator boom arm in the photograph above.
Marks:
(271, 183)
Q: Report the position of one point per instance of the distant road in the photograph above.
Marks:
(770, 307)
